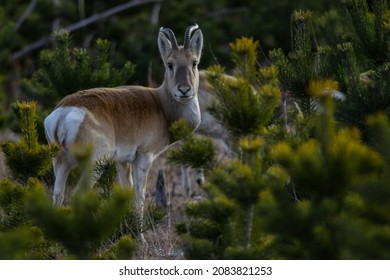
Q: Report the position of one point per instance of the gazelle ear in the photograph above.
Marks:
(196, 43)
(164, 46)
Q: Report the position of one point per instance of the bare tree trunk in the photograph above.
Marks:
(249, 226)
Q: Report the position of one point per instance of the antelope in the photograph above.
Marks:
(129, 124)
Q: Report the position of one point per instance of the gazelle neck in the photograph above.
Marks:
(174, 110)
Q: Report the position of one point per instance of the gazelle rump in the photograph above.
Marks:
(130, 123)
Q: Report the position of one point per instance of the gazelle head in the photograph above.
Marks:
(181, 62)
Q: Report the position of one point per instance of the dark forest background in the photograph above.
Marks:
(132, 28)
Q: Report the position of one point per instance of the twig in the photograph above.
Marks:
(82, 23)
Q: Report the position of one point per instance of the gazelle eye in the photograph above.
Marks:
(170, 66)
(194, 64)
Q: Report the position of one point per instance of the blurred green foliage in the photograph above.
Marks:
(82, 226)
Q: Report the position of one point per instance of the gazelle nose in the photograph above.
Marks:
(184, 89)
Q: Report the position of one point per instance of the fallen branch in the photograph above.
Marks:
(26, 13)
(87, 21)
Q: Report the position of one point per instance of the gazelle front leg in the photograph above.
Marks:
(140, 171)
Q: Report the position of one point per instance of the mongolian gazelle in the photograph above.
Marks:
(131, 123)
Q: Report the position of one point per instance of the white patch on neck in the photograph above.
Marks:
(192, 114)
(63, 124)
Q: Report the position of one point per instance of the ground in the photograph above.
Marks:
(162, 241)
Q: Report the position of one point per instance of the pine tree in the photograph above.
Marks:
(82, 227)
(92, 226)
(364, 73)
(315, 194)
(241, 101)
(225, 224)
(327, 171)
(358, 61)
(66, 70)
(31, 228)
(306, 62)
(28, 158)
(20, 238)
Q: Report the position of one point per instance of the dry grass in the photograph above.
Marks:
(162, 241)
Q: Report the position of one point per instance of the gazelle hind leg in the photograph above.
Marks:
(61, 170)
(88, 179)
(101, 150)
(124, 174)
